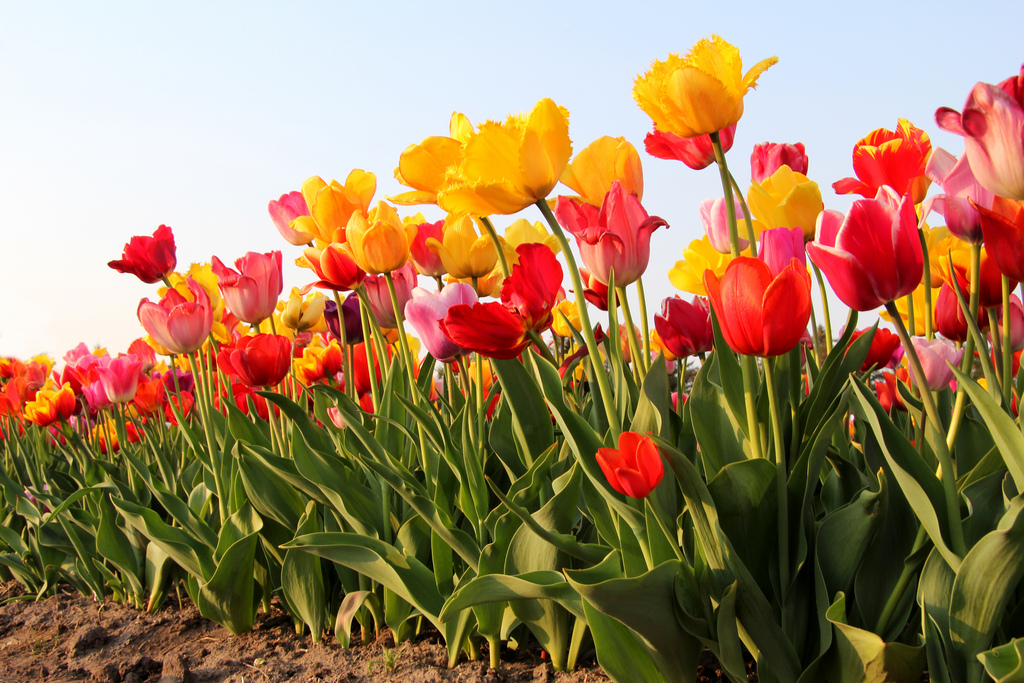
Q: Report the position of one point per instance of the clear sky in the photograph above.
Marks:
(117, 117)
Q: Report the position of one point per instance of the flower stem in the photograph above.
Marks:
(639, 362)
(730, 207)
(748, 367)
(350, 386)
(824, 307)
(1007, 345)
(967, 362)
(644, 326)
(492, 233)
(751, 236)
(929, 330)
(781, 477)
(600, 373)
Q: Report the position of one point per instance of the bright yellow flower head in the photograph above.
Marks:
(523, 231)
(464, 253)
(786, 199)
(920, 309)
(378, 242)
(303, 314)
(688, 274)
(505, 167)
(488, 285)
(699, 93)
(423, 167)
(939, 240)
(602, 162)
(332, 205)
(566, 310)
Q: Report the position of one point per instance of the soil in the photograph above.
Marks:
(69, 637)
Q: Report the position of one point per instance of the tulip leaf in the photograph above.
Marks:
(491, 588)
(718, 428)
(242, 428)
(1004, 431)
(195, 557)
(654, 407)
(301, 579)
(350, 606)
(532, 426)
(229, 596)
(859, 656)
(315, 436)
(271, 495)
(729, 376)
(1005, 664)
(747, 507)
(113, 545)
(844, 536)
(838, 366)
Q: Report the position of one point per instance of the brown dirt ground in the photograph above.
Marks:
(69, 637)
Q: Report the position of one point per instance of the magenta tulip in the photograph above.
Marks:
(769, 156)
(961, 194)
(779, 246)
(251, 292)
(285, 210)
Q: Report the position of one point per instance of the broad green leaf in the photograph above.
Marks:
(490, 588)
(1004, 431)
(228, 597)
(1005, 664)
(302, 581)
(531, 425)
(719, 430)
(744, 494)
(844, 536)
(271, 495)
(195, 557)
(859, 656)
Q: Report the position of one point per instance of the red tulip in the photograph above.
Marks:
(595, 291)
(874, 255)
(635, 467)
(949, 317)
(335, 268)
(760, 315)
(150, 259)
(895, 159)
(768, 156)
(261, 360)
(532, 287)
(883, 345)
(427, 262)
(1003, 228)
(697, 153)
(685, 327)
(251, 292)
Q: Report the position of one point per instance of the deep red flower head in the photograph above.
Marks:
(361, 367)
(883, 345)
(148, 258)
(760, 315)
(950, 321)
(697, 153)
(896, 159)
(490, 329)
(635, 467)
(685, 326)
(595, 291)
(335, 268)
(261, 360)
(532, 288)
(1003, 228)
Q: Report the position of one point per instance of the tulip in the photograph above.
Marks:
(920, 305)
(873, 256)
(463, 252)
(696, 152)
(887, 393)
(377, 291)
(224, 323)
(427, 261)
(684, 327)
(779, 246)
(767, 157)
(883, 345)
(688, 274)
(304, 314)
(567, 319)
(950, 321)
(50, 406)
(761, 315)
(177, 324)
(361, 368)
(595, 291)
(284, 211)
(261, 360)
(992, 125)
(1003, 229)
(716, 224)
(423, 167)
(378, 242)
(956, 263)
(1016, 323)
(426, 309)
(505, 167)
(335, 267)
(786, 199)
(895, 159)
(700, 93)
(351, 316)
(120, 378)
(618, 237)
(633, 469)
(962, 193)
(599, 164)
(331, 206)
(938, 357)
(522, 231)
(150, 259)
(531, 289)
(149, 396)
(251, 292)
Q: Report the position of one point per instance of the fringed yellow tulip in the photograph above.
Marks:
(464, 253)
(699, 93)
(786, 199)
(505, 167)
(331, 206)
(601, 163)
(378, 242)
(423, 167)
(688, 274)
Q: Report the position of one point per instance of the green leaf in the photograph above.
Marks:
(194, 556)
(271, 495)
(744, 496)
(491, 588)
(302, 581)
(843, 538)
(718, 428)
(531, 425)
(1004, 431)
(228, 597)
(859, 656)
(654, 407)
(1005, 664)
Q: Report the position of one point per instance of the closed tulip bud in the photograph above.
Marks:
(633, 469)
(938, 357)
(284, 211)
(696, 152)
(767, 157)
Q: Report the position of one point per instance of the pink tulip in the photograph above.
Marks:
(769, 156)
(716, 223)
(426, 308)
(936, 359)
(618, 237)
(427, 262)
(779, 246)
(178, 325)
(962, 193)
(285, 210)
(992, 124)
(120, 378)
(380, 298)
(697, 153)
(252, 291)
(1016, 323)
(873, 256)
(685, 326)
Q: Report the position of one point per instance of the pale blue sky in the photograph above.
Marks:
(117, 117)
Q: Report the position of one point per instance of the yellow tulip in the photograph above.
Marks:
(688, 274)
(488, 285)
(505, 167)
(658, 343)
(378, 242)
(523, 231)
(699, 93)
(602, 162)
(919, 310)
(332, 205)
(464, 253)
(566, 310)
(423, 167)
(303, 314)
(786, 199)
(940, 241)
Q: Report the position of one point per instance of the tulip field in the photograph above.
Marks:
(470, 425)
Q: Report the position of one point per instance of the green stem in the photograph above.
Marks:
(492, 233)
(824, 308)
(967, 361)
(600, 373)
(908, 574)
(781, 477)
(639, 364)
(730, 207)
(369, 352)
(350, 386)
(644, 325)
(946, 473)
(1007, 345)
(929, 330)
(751, 235)
(748, 366)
